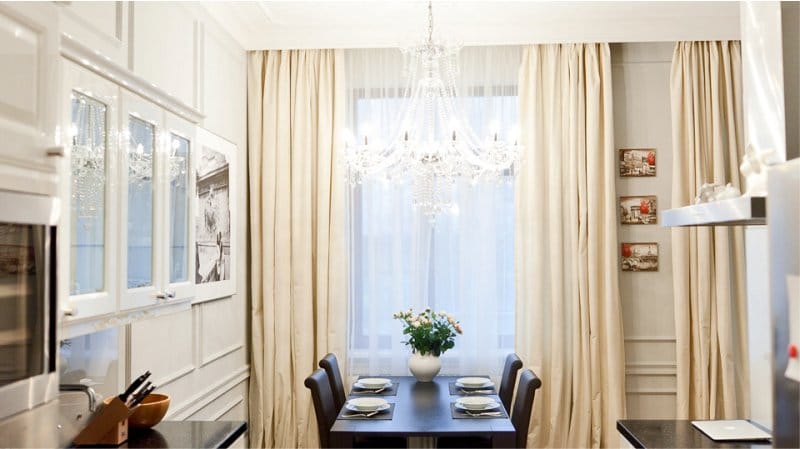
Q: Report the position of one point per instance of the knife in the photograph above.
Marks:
(134, 386)
(137, 393)
(141, 395)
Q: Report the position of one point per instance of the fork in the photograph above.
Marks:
(476, 391)
(365, 415)
(483, 413)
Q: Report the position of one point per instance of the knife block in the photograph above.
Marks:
(109, 426)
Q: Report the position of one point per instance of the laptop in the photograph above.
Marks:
(732, 430)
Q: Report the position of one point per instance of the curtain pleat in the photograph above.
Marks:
(568, 316)
(297, 237)
(708, 262)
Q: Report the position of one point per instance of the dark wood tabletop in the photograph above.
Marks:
(422, 409)
(668, 433)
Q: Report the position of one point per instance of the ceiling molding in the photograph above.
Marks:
(383, 23)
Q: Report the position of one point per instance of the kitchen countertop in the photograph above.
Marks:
(657, 433)
(195, 434)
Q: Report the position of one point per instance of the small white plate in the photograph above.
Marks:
(374, 383)
(491, 405)
(367, 404)
(473, 382)
(488, 384)
(379, 409)
(361, 386)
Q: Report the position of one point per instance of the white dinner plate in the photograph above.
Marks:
(477, 404)
(380, 408)
(373, 383)
(367, 404)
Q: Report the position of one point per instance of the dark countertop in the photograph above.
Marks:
(185, 434)
(657, 433)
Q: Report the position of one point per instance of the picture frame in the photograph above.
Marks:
(639, 257)
(637, 162)
(638, 210)
(215, 203)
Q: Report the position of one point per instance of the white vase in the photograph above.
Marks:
(424, 367)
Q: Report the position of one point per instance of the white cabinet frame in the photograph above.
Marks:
(77, 307)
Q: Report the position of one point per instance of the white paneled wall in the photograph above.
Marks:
(198, 356)
(642, 120)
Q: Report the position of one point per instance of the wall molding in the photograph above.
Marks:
(172, 377)
(108, 69)
(219, 354)
(227, 407)
(653, 391)
(649, 338)
(209, 395)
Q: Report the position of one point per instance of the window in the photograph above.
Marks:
(463, 262)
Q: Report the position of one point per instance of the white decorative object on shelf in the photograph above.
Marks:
(433, 146)
(715, 192)
(754, 170)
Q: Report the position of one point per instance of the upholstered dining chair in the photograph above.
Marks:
(331, 367)
(509, 379)
(326, 412)
(520, 416)
(324, 404)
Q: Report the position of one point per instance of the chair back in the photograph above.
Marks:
(523, 405)
(324, 405)
(509, 379)
(331, 367)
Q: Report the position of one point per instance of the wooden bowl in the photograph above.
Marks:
(150, 412)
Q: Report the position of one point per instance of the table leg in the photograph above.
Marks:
(339, 440)
(503, 439)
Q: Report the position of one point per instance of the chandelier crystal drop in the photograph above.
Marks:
(87, 156)
(433, 146)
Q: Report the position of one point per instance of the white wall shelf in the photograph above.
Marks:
(743, 211)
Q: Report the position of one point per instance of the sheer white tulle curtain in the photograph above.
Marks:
(463, 262)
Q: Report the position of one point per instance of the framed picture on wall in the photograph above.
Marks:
(640, 256)
(637, 162)
(638, 209)
(215, 205)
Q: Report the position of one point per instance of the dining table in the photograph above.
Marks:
(422, 412)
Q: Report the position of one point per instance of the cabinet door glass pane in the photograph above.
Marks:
(140, 203)
(179, 209)
(88, 165)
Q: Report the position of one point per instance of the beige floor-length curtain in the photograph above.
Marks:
(297, 241)
(568, 316)
(708, 262)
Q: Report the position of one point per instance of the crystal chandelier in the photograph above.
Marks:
(433, 146)
(87, 156)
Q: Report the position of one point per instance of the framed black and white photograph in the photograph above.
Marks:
(638, 209)
(640, 256)
(215, 204)
(637, 162)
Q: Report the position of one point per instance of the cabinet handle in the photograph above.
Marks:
(69, 311)
(58, 151)
(161, 295)
(170, 294)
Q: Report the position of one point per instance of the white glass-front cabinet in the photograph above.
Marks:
(127, 240)
(156, 204)
(178, 203)
(89, 221)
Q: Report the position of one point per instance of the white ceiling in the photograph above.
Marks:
(383, 23)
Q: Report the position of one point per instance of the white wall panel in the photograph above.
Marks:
(162, 345)
(164, 47)
(102, 25)
(642, 120)
(221, 329)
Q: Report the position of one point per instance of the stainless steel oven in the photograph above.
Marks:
(28, 321)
